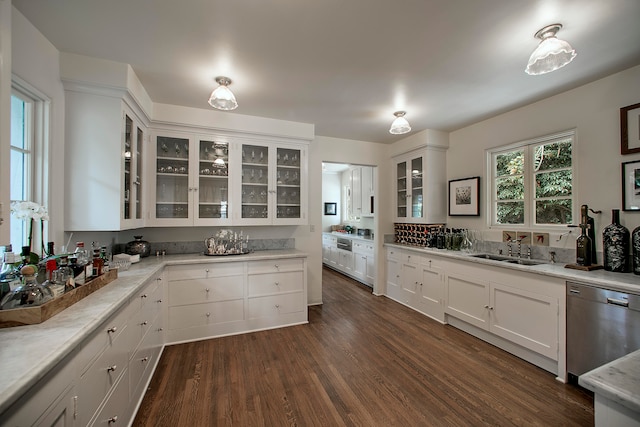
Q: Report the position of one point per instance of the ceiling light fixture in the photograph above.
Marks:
(222, 98)
(400, 125)
(551, 54)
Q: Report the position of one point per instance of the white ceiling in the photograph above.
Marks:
(347, 65)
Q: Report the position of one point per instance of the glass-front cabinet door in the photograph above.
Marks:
(132, 171)
(213, 180)
(173, 190)
(409, 189)
(272, 184)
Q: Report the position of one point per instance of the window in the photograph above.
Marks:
(28, 169)
(532, 182)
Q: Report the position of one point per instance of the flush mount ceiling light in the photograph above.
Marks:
(222, 98)
(400, 125)
(551, 54)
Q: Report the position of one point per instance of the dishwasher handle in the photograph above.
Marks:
(619, 302)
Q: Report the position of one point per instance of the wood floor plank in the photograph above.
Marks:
(361, 361)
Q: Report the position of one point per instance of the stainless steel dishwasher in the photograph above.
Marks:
(602, 325)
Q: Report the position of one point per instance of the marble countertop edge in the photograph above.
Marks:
(618, 381)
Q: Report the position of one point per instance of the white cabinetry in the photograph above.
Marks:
(394, 279)
(367, 190)
(359, 181)
(363, 261)
(105, 142)
(420, 282)
(273, 184)
(420, 191)
(221, 298)
(104, 380)
(359, 263)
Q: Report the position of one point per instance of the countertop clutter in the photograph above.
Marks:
(28, 353)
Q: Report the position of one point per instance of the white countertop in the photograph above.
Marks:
(618, 381)
(348, 236)
(27, 353)
(625, 282)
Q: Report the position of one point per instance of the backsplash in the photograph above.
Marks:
(173, 248)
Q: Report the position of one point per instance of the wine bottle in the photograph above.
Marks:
(583, 247)
(615, 242)
(635, 248)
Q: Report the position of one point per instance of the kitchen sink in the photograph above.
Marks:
(510, 260)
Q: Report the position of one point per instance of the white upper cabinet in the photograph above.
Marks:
(105, 142)
(272, 188)
(215, 180)
(420, 191)
(191, 180)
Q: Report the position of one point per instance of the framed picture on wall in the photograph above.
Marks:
(631, 186)
(630, 129)
(331, 209)
(464, 197)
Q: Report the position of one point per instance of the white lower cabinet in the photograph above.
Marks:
(393, 282)
(92, 385)
(421, 283)
(222, 298)
(524, 317)
(359, 263)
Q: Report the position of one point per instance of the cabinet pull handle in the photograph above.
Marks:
(144, 359)
(143, 296)
(159, 301)
(208, 314)
(207, 290)
(113, 419)
(112, 368)
(277, 267)
(486, 306)
(277, 283)
(160, 329)
(112, 329)
(144, 323)
(159, 279)
(490, 308)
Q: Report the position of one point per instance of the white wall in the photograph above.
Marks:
(331, 194)
(35, 60)
(593, 110)
(5, 116)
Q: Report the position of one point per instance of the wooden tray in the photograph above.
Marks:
(40, 313)
(584, 267)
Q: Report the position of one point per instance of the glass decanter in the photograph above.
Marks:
(29, 294)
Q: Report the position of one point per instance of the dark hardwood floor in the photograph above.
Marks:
(361, 361)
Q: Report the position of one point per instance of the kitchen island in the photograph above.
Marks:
(64, 348)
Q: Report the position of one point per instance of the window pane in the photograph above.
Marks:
(552, 156)
(511, 163)
(553, 211)
(553, 184)
(510, 188)
(18, 117)
(510, 213)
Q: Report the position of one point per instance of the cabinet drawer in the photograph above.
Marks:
(145, 355)
(203, 271)
(362, 247)
(105, 336)
(393, 254)
(276, 305)
(193, 291)
(188, 316)
(97, 381)
(411, 258)
(276, 265)
(116, 410)
(274, 283)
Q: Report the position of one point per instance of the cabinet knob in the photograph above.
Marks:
(208, 314)
(112, 329)
(144, 359)
(486, 306)
(159, 279)
(113, 419)
(160, 329)
(112, 368)
(159, 301)
(277, 267)
(206, 270)
(490, 308)
(143, 296)
(278, 306)
(144, 323)
(207, 290)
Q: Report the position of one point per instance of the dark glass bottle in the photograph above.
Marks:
(591, 231)
(615, 242)
(440, 239)
(583, 247)
(635, 248)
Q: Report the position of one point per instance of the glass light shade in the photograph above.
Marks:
(223, 99)
(400, 125)
(551, 54)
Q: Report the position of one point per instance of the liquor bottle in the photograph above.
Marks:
(591, 231)
(9, 275)
(440, 240)
(50, 247)
(635, 247)
(66, 274)
(30, 293)
(52, 281)
(583, 247)
(97, 263)
(615, 239)
(78, 272)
